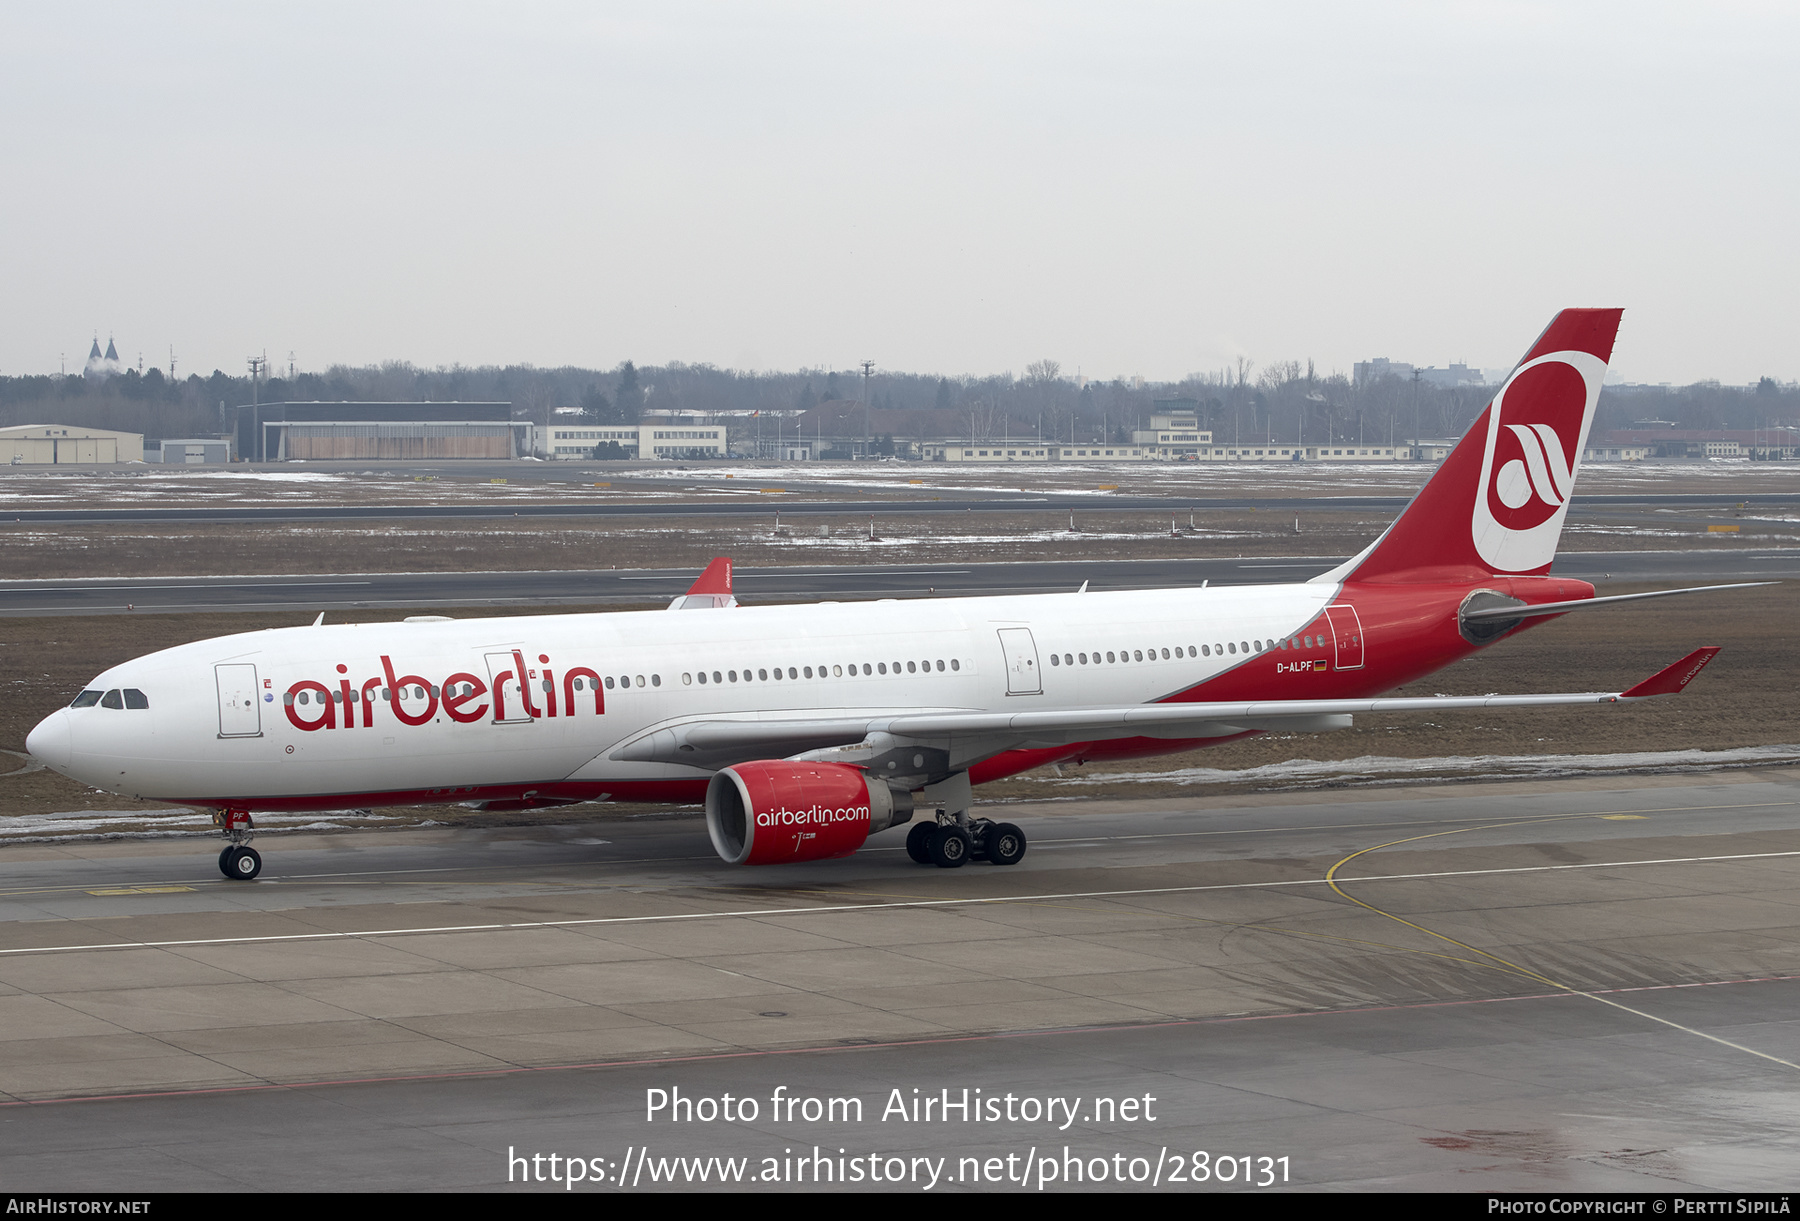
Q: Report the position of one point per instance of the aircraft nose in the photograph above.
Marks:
(50, 742)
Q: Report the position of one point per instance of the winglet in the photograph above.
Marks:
(716, 579)
(1671, 679)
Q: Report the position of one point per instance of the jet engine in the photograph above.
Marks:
(772, 811)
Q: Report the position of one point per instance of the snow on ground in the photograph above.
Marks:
(849, 538)
(1072, 478)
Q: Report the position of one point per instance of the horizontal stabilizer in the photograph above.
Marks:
(1522, 611)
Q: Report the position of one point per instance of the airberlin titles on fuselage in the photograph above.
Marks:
(462, 696)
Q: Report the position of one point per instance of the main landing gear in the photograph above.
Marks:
(239, 861)
(949, 845)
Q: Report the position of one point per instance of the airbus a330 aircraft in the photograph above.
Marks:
(805, 729)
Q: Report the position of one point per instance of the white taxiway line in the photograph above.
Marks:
(759, 913)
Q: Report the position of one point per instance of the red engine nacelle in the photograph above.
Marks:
(773, 811)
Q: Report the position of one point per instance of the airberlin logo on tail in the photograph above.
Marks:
(1535, 483)
(1535, 430)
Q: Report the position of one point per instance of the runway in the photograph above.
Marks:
(112, 595)
(1565, 985)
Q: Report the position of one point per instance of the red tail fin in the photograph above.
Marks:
(1497, 503)
(716, 579)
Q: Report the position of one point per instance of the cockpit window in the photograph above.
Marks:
(112, 699)
(135, 698)
(87, 699)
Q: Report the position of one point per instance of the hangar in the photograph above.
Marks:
(57, 444)
(281, 432)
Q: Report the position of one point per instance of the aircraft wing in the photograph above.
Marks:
(719, 743)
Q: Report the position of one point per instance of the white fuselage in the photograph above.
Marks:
(360, 710)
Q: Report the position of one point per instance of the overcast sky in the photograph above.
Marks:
(950, 188)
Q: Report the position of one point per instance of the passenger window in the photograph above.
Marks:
(955, 664)
(716, 676)
(87, 699)
(1232, 647)
(866, 669)
(640, 680)
(609, 682)
(656, 680)
(1206, 650)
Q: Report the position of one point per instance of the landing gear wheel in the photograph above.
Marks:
(950, 847)
(1005, 844)
(239, 863)
(918, 842)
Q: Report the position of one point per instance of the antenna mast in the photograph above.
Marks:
(868, 371)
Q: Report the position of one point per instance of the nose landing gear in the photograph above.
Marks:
(238, 861)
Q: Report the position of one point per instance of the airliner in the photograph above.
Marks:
(806, 729)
